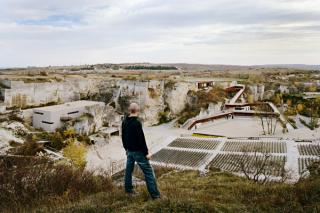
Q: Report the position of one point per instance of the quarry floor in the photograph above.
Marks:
(111, 156)
(108, 155)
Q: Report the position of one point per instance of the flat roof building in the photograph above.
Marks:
(51, 117)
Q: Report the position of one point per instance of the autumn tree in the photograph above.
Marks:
(277, 99)
(300, 107)
(312, 88)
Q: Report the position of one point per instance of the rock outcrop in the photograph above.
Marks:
(20, 94)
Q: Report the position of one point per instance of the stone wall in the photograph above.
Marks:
(34, 94)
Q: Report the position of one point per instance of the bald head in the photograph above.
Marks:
(134, 108)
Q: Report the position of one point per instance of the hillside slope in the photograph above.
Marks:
(37, 184)
(217, 192)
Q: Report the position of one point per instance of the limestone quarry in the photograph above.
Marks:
(177, 107)
(153, 95)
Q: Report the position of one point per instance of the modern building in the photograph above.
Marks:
(51, 117)
(205, 84)
(284, 89)
(257, 91)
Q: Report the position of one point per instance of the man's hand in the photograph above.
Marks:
(148, 156)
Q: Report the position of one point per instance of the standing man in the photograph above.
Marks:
(136, 148)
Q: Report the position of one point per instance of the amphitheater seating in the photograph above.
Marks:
(230, 162)
(305, 162)
(180, 157)
(194, 143)
(309, 149)
(249, 146)
(200, 150)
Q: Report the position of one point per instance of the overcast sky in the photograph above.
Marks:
(64, 32)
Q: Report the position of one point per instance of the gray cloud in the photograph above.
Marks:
(37, 32)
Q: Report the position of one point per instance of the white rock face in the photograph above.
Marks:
(211, 110)
(90, 124)
(6, 136)
(112, 117)
(148, 94)
(154, 102)
(27, 94)
(153, 97)
(176, 97)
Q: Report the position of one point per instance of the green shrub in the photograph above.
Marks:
(187, 114)
(202, 99)
(311, 125)
(142, 67)
(164, 117)
(84, 139)
(56, 141)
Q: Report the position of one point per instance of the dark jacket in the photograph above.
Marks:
(132, 135)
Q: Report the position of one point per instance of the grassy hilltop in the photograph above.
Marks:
(60, 188)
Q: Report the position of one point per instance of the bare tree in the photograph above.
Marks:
(268, 120)
(256, 164)
(314, 116)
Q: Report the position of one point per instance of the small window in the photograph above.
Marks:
(74, 112)
(46, 122)
(39, 113)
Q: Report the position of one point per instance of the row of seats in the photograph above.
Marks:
(264, 147)
(180, 157)
(309, 149)
(194, 144)
(234, 163)
(254, 140)
(305, 162)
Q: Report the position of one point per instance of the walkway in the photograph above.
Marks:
(191, 123)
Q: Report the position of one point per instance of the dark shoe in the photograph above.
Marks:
(132, 194)
(156, 198)
(160, 198)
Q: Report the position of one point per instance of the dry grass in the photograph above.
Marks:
(33, 184)
(27, 182)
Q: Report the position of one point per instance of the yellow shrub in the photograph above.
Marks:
(69, 133)
(76, 152)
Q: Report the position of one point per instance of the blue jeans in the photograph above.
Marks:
(147, 170)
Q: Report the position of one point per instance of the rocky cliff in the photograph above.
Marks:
(154, 96)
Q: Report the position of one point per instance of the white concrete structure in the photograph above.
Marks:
(257, 91)
(3, 108)
(283, 89)
(49, 118)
